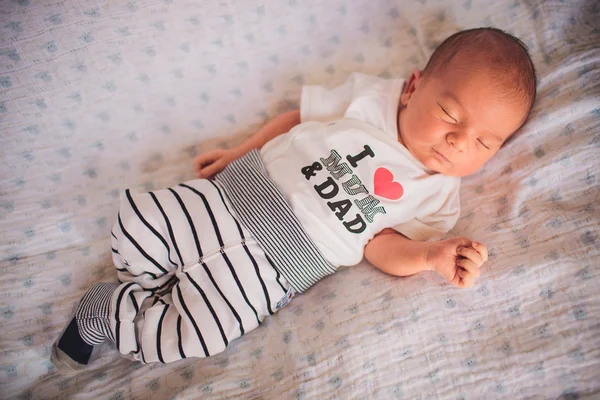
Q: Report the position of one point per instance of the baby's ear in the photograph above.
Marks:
(410, 86)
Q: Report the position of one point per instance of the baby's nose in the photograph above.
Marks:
(457, 140)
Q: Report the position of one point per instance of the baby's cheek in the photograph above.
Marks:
(431, 130)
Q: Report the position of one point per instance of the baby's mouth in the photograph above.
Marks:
(441, 156)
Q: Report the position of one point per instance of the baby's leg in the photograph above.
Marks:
(182, 257)
(223, 296)
(225, 284)
(143, 250)
(143, 241)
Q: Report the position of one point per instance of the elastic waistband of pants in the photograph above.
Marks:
(266, 213)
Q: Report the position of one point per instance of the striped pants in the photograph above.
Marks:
(192, 277)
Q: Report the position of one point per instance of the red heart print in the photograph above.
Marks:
(385, 185)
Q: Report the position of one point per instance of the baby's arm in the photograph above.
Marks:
(456, 259)
(209, 164)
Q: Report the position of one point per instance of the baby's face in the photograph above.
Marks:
(454, 123)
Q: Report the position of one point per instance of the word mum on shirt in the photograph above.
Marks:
(330, 189)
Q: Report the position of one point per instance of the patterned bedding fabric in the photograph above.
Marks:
(99, 96)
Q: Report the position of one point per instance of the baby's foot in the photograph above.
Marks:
(72, 351)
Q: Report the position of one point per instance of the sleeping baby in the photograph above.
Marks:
(368, 169)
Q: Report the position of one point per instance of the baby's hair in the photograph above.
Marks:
(499, 50)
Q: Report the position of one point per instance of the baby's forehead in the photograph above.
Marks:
(468, 63)
(480, 97)
(496, 83)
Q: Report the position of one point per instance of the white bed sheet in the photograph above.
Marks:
(99, 96)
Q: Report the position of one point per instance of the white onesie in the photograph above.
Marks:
(347, 177)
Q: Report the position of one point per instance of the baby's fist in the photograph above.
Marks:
(458, 260)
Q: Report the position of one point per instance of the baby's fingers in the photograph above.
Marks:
(204, 160)
(481, 249)
(469, 266)
(212, 169)
(471, 254)
(466, 279)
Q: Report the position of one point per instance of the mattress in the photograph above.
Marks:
(96, 97)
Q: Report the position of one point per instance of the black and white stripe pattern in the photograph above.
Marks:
(191, 271)
(262, 208)
(93, 314)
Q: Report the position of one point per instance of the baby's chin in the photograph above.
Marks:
(448, 170)
(432, 166)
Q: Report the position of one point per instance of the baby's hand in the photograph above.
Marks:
(209, 164)
(458, 260)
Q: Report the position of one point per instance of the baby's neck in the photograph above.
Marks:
(398, 133)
